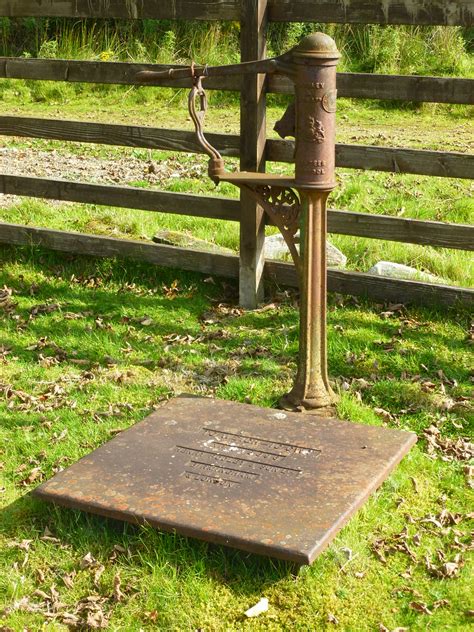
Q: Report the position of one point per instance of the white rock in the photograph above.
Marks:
(259, 608)
(276, 248)
(400, 271)
(335, 258)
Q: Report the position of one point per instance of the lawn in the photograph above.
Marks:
(89, 347)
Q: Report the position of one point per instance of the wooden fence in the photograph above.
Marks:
(252, 146)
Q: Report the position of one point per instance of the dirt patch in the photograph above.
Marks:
(118, 170)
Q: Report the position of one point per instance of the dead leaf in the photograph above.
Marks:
(118, 594)
(88, 561)
(469, 474)
(415, 484)
(35, 475)
(68, 579)
(24, 545)
(420, 607)
(333, 619)
(97, 574)
(386, 416)
(45, 308)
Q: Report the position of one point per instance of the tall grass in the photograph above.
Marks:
(371, 48)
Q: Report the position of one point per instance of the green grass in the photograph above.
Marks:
(72, 377)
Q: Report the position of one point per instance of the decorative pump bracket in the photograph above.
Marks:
(291, 202)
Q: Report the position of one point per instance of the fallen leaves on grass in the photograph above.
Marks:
(387, 417)
(180, 339)
(35, 475)
(68, 579)
(220, 312)
(446, 448)
(470, 334)
(88, 561)
(444, 524)
(447, 569)
(7, 305)
(50, 399)
(43, 308)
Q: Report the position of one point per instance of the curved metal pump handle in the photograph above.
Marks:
(216, 164)
(197, 74)
(268, 66)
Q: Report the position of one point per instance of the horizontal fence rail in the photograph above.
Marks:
(449, 12)
(392, 87)
(344, 282)
(122, 197)
(457, 236)
(454, 12)
(393, 159)
(350, 85)
(374, 158)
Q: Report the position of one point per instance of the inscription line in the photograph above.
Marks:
(244, 436)
(216, 478)
(224, 467)
(239, 458)
(249, 449)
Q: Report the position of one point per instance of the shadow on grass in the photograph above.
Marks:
(245, 573)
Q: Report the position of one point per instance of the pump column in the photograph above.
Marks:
(315, 61)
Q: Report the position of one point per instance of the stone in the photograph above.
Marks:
(184, 240)
(400, 271)
(276, 248)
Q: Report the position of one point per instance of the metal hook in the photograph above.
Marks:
(216, 164)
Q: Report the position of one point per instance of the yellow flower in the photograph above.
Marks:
(107, 55)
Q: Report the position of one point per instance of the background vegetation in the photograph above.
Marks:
(390, 49)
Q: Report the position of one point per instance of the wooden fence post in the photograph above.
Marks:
(252, 157)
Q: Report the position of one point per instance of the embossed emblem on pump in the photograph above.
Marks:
(315, 131)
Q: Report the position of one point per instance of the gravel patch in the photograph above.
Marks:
(120, 170)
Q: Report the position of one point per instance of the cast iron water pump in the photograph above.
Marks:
(292, 203)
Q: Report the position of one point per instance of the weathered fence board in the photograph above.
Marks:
(353, 85)
(410, 231)
(456, 236)
(355, 11)
(374, 11)
(122, 197)
(375, 287)
(125, 9)
(373, 158)
(391, 87)
(253, 108)
(113, 134)
(355, 283)
(120, 73)
(416, 161)
(95, 245)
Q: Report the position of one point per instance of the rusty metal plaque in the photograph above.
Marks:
(270, 482)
